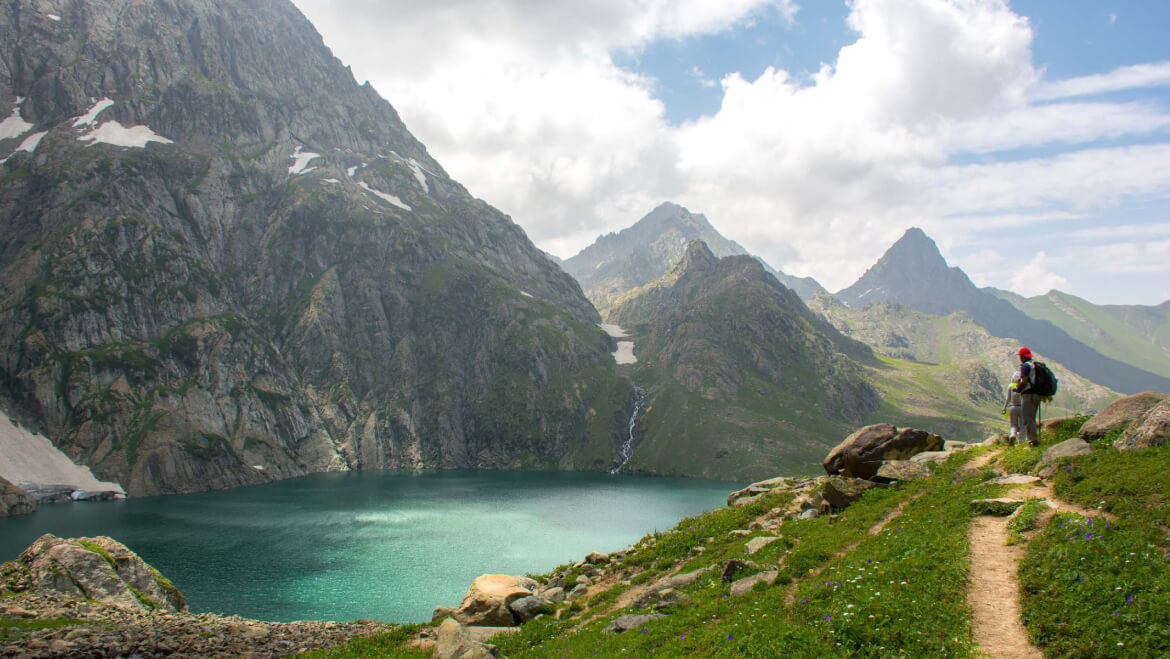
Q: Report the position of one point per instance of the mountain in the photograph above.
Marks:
(224, 262)
(913, 273)
(740, 378)
(619, 262)
(981, 364)
(1138, 335)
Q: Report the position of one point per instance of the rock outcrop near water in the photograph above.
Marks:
(224, 262)
(15, 501)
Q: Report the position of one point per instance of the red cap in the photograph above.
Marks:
(1024, 352)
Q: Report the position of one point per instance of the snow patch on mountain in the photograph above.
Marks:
(301, 162)
(389, 198)
(14, 125)
(112, 132)
(91, 116)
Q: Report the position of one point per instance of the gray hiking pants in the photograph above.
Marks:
(1028, 418)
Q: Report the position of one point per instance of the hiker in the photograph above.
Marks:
(1029, 401)
(1012, 407)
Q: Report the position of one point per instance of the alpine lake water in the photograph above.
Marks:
(381, 545)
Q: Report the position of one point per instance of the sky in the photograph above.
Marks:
(1030, 139)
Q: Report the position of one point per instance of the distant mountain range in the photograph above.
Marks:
(741, 379)
(913, 273)
(617, 263)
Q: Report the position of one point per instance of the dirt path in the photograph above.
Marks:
(994, 596)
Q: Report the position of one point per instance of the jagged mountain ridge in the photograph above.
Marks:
(225, 262)
(914, 274)
(617, 263)
(740, 376)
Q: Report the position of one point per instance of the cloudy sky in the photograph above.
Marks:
(1030, 139)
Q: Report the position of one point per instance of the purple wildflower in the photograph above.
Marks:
(731, 637)
(1089, 535)
(827, 617)
(1082, 580)
(645, 631)
(1068, 468)
(1129, 600)
(682, 637)
(1117, 612)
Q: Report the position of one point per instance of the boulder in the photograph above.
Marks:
(1151, 429)
(840, 492)
(597, 558)
(860, 455)
(486, 602)
(930, 456)
(811, 513)
(756, 544)
(674, 582)
(1065, 449)
(744, 586)
(100, 569)
(453, 641)
(527, 608)
(734, 566)
(15, 501)
(901, 470)
(1120, 413)
(556, 595)
(755, 489)
(441, 612)
(1048, 425)
(628, 622)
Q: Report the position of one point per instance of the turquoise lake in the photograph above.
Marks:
(381, 545)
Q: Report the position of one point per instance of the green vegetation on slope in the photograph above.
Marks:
(1136, 335)
(1099, 586)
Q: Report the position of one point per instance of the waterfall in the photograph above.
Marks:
(628, 445)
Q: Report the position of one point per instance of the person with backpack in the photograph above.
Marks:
(1011, 409)
(1037, 383)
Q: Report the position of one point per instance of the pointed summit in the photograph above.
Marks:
(912, 273)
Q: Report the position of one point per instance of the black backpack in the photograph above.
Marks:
(1043, 381)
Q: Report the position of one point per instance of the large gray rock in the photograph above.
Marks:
(674, 582)
(527, 608)
(901, 470)
(487, 602)
(840, 492)
(1121, 413)
(628, 622)
(15, 501)
(743, 586)
(99, 569)
(754, 545)
(1150, 429)
(862, 453)
(1066, 449)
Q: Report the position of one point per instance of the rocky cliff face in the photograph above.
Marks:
(913, 273)
(222, 262)
(620, 262)
(775, 381)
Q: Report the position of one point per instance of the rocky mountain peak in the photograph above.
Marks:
(697, 257)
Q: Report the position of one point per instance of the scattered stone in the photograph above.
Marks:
(1014, 479)
(930, 456)
(597, 558)
(860, 454)
(1066, 449)
(527, 608)
(556, 594)
(739, 532)
(676, 581)
(967, 473)
(756, 544)
(811, 513)
(1120, 414)
(840, 492)
(733, 567)
(628, 622)
(952, 445)
(455, 642)
(900, 470)
(1150, 429)
(754, 490)
(743, 586)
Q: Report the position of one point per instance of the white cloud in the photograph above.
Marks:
(925, 119)
(1035, 278)
(1156, 74)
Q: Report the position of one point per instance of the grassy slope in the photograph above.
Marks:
(1139, 336)
(1095, 587)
